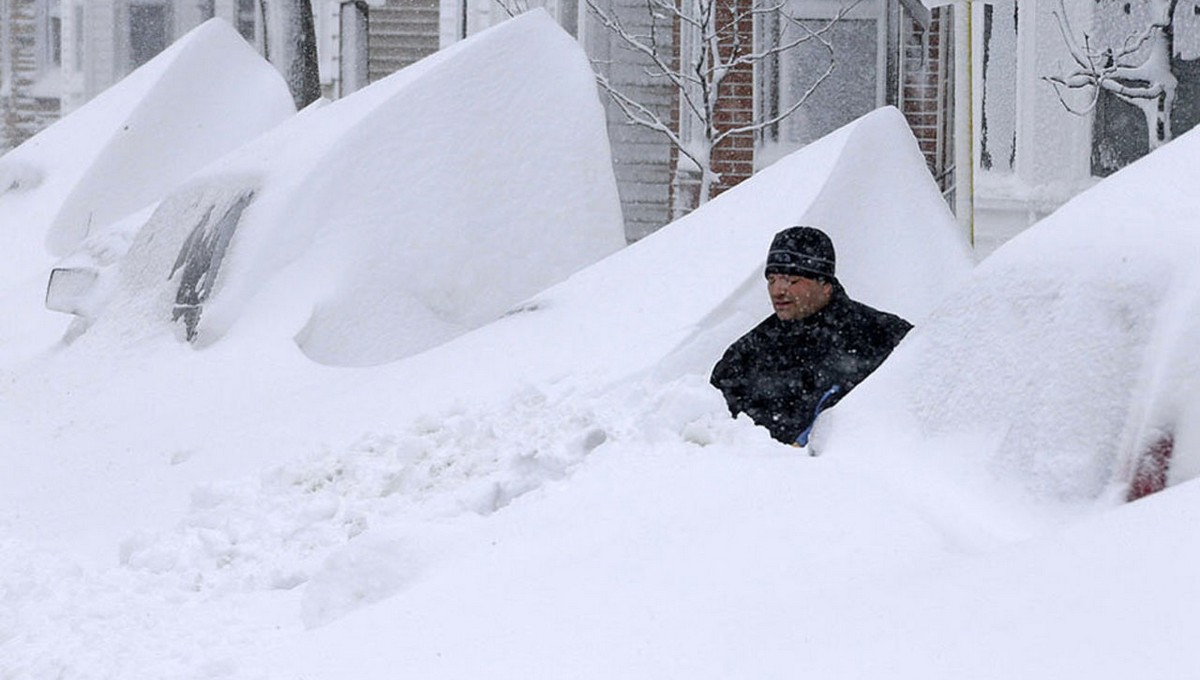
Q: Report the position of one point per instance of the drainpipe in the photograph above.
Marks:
(964, 105)
(964, 118)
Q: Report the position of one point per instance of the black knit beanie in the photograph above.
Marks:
(802, 251)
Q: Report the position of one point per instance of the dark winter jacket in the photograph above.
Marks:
(779, 371)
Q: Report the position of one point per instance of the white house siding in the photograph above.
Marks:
(400, 33)
(641, 157)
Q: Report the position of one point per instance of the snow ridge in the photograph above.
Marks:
(273, 531)
(336, 530)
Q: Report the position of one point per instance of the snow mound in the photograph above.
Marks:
(390, 221)
(661, 309)
(671, 303)
(1067, 352)
(351, 525)
(266, 532)
(202, 97)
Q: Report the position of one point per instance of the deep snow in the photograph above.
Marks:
(560, 493)
(1098, 309)
(204, 96)
(400, 217)
(82, 186)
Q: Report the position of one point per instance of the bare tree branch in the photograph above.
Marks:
(1138, 71)
(714, 42)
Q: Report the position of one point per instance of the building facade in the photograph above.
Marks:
(884, 52)
(55, 55)
(30, 72)
(61, 53)
(986, 85)
(1050, 119)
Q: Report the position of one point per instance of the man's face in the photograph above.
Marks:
(795, 297)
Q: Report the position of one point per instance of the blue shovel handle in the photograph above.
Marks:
(802, 440)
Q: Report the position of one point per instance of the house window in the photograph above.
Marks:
(852, 45)
(1119, 131)
(149, 30)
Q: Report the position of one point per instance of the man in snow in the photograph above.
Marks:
(817, 346)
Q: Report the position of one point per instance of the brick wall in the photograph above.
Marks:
(927, 91)
(733, 157)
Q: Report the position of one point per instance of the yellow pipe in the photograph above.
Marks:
(964, 117)
(971, 120)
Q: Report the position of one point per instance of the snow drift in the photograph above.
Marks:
(390, 221)
(660, 309)
(1061, 361)
(559, 492)
(671, 303)
(205, 95)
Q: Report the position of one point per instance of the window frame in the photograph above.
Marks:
(769, 73)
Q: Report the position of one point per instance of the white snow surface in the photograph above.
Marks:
(560, 493)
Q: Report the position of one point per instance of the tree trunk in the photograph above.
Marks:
(1161, 132)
